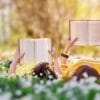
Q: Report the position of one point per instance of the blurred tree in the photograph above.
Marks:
(45, 18)
(5, 20)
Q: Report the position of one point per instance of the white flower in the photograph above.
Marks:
(33, 74)
(18, 92)
(97, 96)
(27, 97)
(42, 82)
(50, 77)
(41, 74)
(59, 90)
(36, 76)
(6, 96)
(85, 75)
(48, 83)
(25, 82)
(69, 93)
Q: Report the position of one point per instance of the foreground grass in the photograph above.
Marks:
(32, 88)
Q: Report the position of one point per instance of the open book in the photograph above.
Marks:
(87, 31)
(36, 50)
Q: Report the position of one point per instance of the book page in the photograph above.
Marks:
(79, 29)
(94, 32)
(27, 47)
(42, 46)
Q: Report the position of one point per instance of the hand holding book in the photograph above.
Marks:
(36, 50)
(69, 45)
(15, 61)
(87, 31)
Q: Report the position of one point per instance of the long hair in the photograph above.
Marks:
(43, 71)
(79, 73)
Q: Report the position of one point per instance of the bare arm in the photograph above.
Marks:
(15, 61)
(62, 60)
(55, 60)
(66, 50)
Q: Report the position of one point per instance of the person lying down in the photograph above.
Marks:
(43, 69)
(69, 71)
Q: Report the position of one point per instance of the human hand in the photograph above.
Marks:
(18, 56)
(15, 61)
(69, 44)
(53, 54)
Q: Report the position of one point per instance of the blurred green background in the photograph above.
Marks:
(44, 18)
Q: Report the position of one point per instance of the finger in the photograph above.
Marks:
(52, 49)
(53, 54)
(21, 56)
(49, 51)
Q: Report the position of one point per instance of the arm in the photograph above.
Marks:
(68, 46)
(15, 61)
(55, 60)
(62, 60)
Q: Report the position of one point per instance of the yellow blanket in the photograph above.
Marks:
(68, 71)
